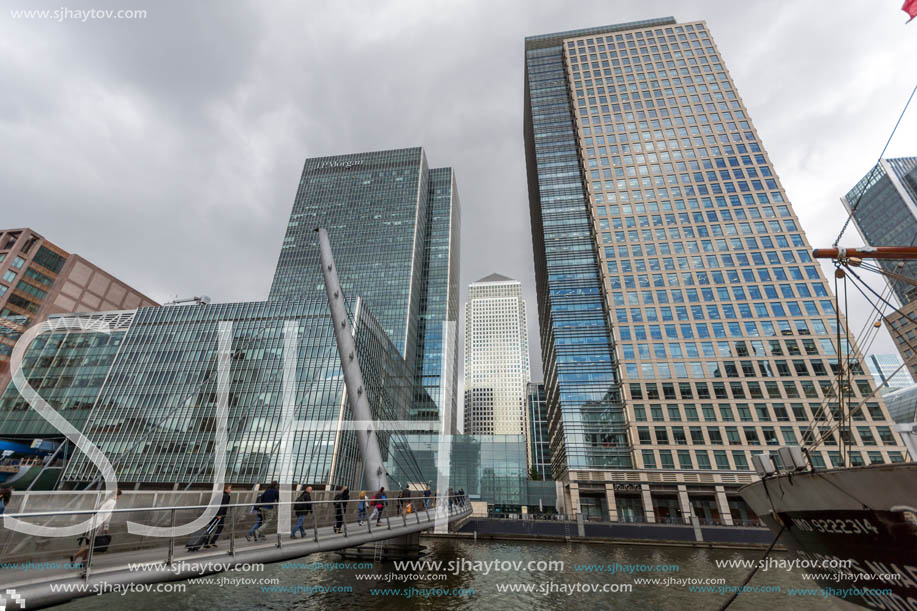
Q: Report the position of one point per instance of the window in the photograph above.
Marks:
(716, 438)
(684, 459)
(722, 460)
(885, 434)
(703, 459)
(740, 461)
(751, 436)
(649, 459)
(9, 275)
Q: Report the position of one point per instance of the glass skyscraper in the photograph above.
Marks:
(437, 333)
(883, 205)
(394, 228)
(884, 209)
(151, 387)
(684, 323)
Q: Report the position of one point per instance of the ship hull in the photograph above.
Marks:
(852, 530)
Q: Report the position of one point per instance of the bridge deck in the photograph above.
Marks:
(120, 567)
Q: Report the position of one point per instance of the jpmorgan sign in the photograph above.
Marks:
(338, 164)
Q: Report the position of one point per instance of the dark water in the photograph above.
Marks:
(692, 563)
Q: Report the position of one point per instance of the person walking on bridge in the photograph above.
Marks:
(303, 507)
(266, 508)
(361, 507)
(219, 520)
(340, 507)
(102, 538)
(378, 506)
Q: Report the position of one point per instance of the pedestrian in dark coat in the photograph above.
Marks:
(340, 506)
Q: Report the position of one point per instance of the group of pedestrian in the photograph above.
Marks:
(264, 509)
(456, 498)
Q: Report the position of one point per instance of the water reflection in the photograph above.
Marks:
(692, 563)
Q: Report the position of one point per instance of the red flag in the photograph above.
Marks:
(910, 7)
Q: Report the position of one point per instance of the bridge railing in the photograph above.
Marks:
(33, 554)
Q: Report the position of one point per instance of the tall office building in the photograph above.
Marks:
(684, 324)
(154, 406)
(888, 372)
(394, 226)
(883, 205)
(38, 278)
(437, 333)
(496, 358)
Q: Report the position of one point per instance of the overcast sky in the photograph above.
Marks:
(168, 150)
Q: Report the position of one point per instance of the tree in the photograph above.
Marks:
(534, 474)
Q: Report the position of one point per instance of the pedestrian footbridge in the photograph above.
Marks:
(35, 571)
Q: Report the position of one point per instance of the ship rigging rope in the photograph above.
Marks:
(877, 313)
(871, 394)
(754, 569)
(824, 413)
(893, 275)
(870, 331)
(884, 148)
(887, 303)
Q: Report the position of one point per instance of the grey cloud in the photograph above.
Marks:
(168, 150)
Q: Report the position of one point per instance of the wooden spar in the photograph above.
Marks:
(867, 252)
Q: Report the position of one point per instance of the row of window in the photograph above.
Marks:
(727, 349)
(729, 312)
(769, 328)
(720, 293)
(723, 412)
(753, 436)
(731, 277)
(701, 459)
(772, 389)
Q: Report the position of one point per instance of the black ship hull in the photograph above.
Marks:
(853, 530)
